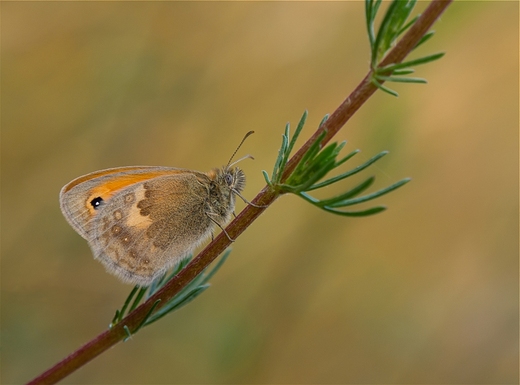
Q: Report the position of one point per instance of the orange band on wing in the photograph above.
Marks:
(106, 189)
(134, 178)
(97, 174)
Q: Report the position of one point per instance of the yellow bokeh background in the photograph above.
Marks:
(426, 292)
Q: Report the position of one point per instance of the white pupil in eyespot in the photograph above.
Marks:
(96, 202)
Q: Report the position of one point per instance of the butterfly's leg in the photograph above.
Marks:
(246, 201)
(218, 224)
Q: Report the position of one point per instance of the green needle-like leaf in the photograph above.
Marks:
(349, 194)
(127, 302)
(371, 9)
(350, 172)
(296, 176)
(404, 71)
(363, 213)
(350, 202)
(299, 129)
(115, 320)
(406, 26)
(278, 166)
(325, 118)
(402, 80)
(128, 334)
(387, 30)
(138, 298)
(316, 175)
(383, 88)
(147, 316)
(425, 38)
(309, 198)
(266, 177)
(343, 160)
(155, 285)
(177, 304)
(410, 63)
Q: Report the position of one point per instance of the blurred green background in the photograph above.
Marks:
(426, 292)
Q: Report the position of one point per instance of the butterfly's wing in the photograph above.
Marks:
(81, 198)
(138, 221)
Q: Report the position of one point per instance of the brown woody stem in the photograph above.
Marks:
(264, 198)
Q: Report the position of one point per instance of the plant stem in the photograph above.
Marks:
(365, 89)
(265, 198)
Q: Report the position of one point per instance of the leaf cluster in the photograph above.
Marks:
(186, 295)
(315, 165)
(393, 25)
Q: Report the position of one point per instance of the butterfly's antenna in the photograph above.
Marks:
(240, 160)
(230, 159)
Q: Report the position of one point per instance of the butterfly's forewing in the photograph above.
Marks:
(82, 198)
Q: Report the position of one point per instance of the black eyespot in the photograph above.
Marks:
(96, 202)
